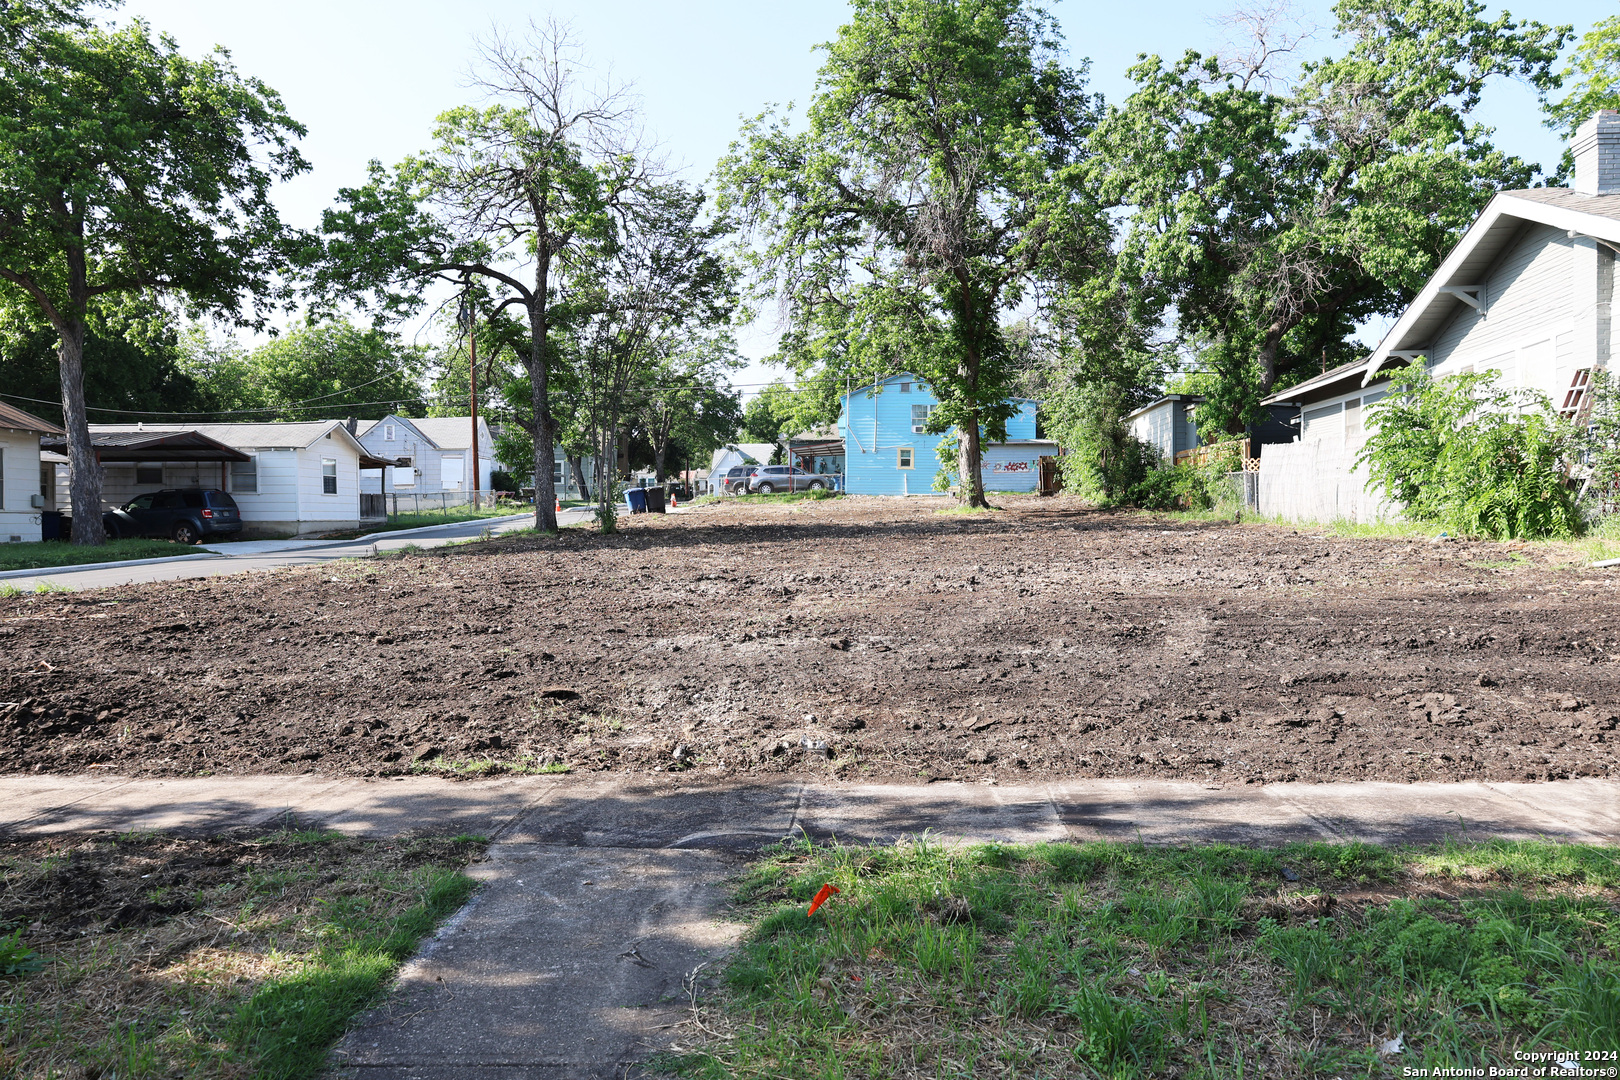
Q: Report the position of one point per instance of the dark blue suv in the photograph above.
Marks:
(184, 515)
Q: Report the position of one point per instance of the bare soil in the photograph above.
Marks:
(862, 637)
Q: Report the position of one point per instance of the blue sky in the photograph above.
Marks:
(367, 77)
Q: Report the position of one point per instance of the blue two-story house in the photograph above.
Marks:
(888, 452)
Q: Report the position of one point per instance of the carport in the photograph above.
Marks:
(132, 450)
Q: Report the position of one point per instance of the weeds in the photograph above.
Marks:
(48, 553)
(244, 958)
(1120, 960)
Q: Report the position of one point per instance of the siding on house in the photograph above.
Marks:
(317, 511)
(877, 426)
(19, 479)
(1167, 425)
(1527, 328)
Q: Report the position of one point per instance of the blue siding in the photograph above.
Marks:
(875, 427)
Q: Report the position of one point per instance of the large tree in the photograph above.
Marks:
(938, 173)
(507, 196)
(1273, 219)
(127, 168)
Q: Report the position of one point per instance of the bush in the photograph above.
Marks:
(1465, 455)
(501, 480)
(1183, 487)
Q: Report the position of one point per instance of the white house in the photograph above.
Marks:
(24, 491)
(1526, 292)
(290, 479)
(1167, 425)
(440, 449)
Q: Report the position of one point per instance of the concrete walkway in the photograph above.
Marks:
(240, 558)
(601, 898)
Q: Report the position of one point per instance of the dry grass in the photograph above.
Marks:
(165, 955)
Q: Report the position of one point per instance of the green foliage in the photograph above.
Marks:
(1600, 444)
(128, 169)
(501, 480)
(16, 958)
(1465, 455)
(1176, 487)
(1274, 212)
(1592, 77)
(937, 177)
(312, 371)
(48, 553)
(290, 1023)
(771, 415)
(126, 380)
(1114, 959)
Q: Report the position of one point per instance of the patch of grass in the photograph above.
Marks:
(201, 958)
(789, 497)
(1121, 960)
(472, 767)
(48, 553)
(968, 511)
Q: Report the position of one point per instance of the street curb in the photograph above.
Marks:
(46, 571)
(374, 537)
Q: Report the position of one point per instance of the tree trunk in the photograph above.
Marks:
(545, 454)
(86, 474)
(658, 463)
(578, 468)
(968, 465)
(1270, 345)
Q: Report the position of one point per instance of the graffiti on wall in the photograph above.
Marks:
(1012, 466)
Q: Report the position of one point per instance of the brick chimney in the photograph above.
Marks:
(1596, 148)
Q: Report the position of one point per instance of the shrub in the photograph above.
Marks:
(1183, 487)
(1466, 455)
(501, 480)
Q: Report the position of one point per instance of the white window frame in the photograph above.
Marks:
(253, 463)
(409, 469)
(903, 454)
(388, 433)
(329, 463)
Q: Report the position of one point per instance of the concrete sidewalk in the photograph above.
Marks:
(602, 898)
(240, 558)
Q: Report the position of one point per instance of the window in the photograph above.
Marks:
(451, 471)
(141, 502)
(328, 476)
(168, 500)
(245, 475)
(919, 418)
(1352, 420)
(149, 474)
(405, 475)
(905, 388)
(388, 433)
(556, 473)
(902, 458)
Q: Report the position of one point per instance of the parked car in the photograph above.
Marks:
(184, 515)
(735, 482)
(773, 478)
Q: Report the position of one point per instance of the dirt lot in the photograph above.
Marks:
(867, 638)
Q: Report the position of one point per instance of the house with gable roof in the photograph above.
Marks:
(1526, 292)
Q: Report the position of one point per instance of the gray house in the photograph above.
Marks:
(1526, 292)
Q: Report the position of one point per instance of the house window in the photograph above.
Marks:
(149, 474)
(451, 472)
(1352, 420)
(919, 418)
(556, 473)
(328, 476)
(905, 388)
(903, 458)
(405, 475)
(388, 433)
(245, 476)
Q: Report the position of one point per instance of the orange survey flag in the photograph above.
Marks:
(821, 898)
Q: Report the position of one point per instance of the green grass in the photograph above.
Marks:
(786, 497)
(252, 969)
(1121, 960)
(48, 553)
(968, 511)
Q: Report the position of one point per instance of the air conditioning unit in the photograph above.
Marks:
(37, 502)
(917, 429)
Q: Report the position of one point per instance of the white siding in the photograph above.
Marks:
(1012, 468)
(1157, 428)
(19, 479)
(1528, 308)
(317, 510)
(274, 507)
